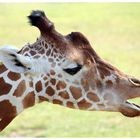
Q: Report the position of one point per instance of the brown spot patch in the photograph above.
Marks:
(4, 87)
(38, 86)
(61, 85)
(32, 53)
(55, 50)
(25, 50)
(46, 45)
(36, 56)
(93, 97)
(29, 100)
(55, 101)
(60, 57)
(98, 83)
(26, 54)
(109, 84)
(20, 89)
(52, 72)
(50, 91)
(76, 92)
(48, 52)
(60, 75)
(70, 104)
(53, 81)
(7, 113)
(83, 104)
(2, 68)
(42, 99)
(14, 76)
(50, 60)
(64, 94)
(7, 109)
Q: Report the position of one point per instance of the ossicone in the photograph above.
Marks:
(38, 18)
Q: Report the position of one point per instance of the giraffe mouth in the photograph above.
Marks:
(130, 109)
(132, 102)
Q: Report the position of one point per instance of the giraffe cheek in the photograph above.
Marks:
(93, 97)
(61, 85)
(76, 92)
(50, 91)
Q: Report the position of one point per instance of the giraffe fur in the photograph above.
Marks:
(63, 70)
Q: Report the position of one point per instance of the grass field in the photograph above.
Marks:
(113, 30)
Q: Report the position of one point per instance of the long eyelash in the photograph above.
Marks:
(73, 71)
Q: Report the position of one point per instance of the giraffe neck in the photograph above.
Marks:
(25, 90)
(16, 89)
(20, 91)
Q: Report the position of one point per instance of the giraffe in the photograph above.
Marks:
(64, 70)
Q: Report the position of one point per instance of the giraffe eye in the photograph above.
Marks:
(73, 70)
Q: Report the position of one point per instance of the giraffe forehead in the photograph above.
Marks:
(75, 55)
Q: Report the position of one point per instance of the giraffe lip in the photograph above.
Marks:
(130, 109)
(133, 104)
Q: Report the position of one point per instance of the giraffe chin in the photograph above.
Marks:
(130, 109)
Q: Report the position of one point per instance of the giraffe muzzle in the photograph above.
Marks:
(128, 108)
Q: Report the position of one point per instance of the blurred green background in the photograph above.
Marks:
(113, 30)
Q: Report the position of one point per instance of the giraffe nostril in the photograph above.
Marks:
(134, 82)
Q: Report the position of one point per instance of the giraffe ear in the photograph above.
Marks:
(14, 61)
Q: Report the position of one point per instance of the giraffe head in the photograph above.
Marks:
(66, 70)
